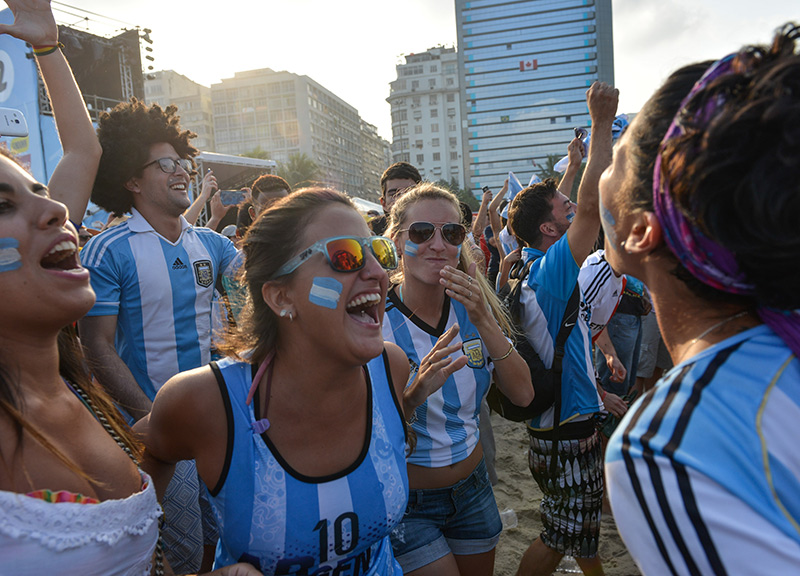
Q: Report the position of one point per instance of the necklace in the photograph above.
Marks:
(719, 324)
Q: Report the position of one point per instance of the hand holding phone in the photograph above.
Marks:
(12, 123)
(231, 197)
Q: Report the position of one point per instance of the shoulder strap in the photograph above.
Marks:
(568, 322)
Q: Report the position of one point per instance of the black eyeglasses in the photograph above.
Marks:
(419, 232)
(169, 166)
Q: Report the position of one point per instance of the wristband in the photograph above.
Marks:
(47, 49)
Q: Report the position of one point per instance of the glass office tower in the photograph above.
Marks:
(525, 67)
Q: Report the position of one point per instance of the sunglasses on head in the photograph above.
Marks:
(419, 232)
(169, 166)
(346, 254)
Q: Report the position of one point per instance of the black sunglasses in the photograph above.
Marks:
(169, 166)
(419, 232)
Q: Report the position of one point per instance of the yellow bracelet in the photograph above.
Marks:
(506, 355)
(45, 50)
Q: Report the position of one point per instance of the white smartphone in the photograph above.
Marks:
(12, 123)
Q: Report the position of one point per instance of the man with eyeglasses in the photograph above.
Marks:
(395, 180)
(154, 276)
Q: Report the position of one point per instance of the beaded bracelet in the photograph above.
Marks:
(506, 355)
(45, 50)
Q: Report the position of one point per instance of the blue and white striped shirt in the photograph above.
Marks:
(161, 293)
(704, 471)
(447, 422)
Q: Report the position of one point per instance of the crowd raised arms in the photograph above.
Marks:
(307, 394)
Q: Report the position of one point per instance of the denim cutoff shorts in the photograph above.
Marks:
(461, 519)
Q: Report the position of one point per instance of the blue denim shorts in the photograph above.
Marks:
(461, 519)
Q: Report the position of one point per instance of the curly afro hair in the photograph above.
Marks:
(126, 135)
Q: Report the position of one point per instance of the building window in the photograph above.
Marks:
(437, 157)
(451, 97)
(434, 68)
(414, 84)
(420, 158)
(552, 120)
(453, 155)
(434, 127)
(451, 112)
(418, 143)
(451, 127)
(451, 81)
(453, 142)
(431, 82)
(435, 142)
(417, 129)
(434, 112)
(568, 118)
(432, 100)
(415, 101)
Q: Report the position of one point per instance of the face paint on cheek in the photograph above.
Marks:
(570, 217)
(410, 248)
(325, 292)
(608, 222)
(9, 255)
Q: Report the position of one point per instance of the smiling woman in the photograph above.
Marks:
(300, 432)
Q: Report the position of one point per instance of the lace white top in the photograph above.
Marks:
(115, 537)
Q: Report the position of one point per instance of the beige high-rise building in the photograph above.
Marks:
(426, 114)
(285, 114)
(192, 99)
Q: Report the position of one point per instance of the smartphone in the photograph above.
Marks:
(485, 189)
(12, 122)
(231, 197)
(580, 132)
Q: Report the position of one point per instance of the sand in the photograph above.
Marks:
(517, 490)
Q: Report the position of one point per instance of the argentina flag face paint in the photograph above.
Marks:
(9, 255)
(325, 292)
(410, 248)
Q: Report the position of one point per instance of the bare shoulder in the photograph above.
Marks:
(190, 397)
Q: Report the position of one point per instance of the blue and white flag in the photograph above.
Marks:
(514, 188)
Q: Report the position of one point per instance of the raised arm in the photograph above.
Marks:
(480, 221)
(208, 188)
(582, 234)
(73, 178)
(575, 153)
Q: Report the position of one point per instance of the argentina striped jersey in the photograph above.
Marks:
(161, 293)
(704, 471)
(447, 422)
(283, 522)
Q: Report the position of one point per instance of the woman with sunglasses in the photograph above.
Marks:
(702, 202)
(447, 320)
(300, 433)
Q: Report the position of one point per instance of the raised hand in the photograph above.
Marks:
(33, 22)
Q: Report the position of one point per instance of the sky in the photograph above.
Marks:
(352, 46)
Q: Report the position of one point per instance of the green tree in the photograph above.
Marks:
(549, 171)
(462, 194)
(300, 170)
(257, 152)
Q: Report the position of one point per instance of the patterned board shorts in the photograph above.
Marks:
(572, 504)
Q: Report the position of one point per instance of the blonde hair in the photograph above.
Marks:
(428, 191)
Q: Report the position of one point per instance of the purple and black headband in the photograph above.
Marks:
(703, 257)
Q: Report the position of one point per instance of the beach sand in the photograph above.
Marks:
(517, 490)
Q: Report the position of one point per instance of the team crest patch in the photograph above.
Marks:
(474, 353)
(203, 273)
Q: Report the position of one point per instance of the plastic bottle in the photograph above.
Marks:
(509, 519)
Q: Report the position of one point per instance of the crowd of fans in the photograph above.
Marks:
(305, 392)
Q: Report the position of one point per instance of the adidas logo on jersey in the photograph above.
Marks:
(178, 265)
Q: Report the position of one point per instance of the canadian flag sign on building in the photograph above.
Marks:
(528, 65)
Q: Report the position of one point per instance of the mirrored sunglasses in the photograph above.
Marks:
(346, 254)
(419, 232)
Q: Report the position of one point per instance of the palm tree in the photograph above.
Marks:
(299, 170)
(257, 152)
